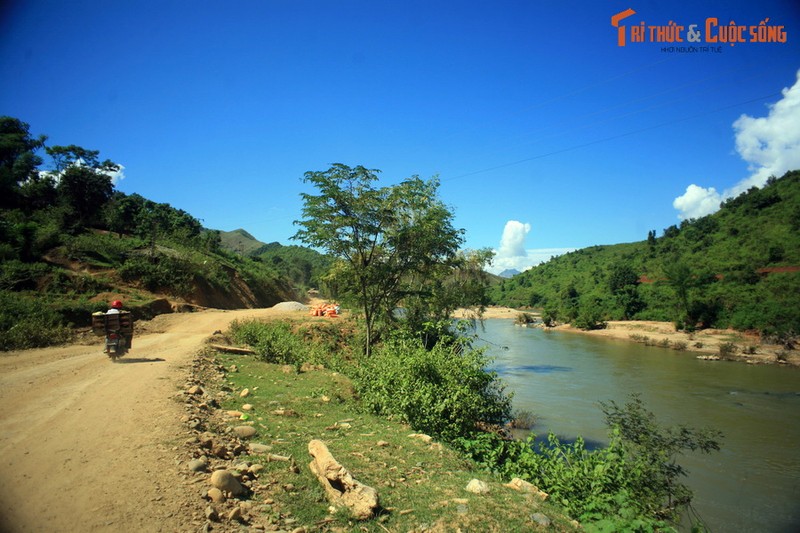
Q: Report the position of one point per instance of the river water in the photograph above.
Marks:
(752, 484)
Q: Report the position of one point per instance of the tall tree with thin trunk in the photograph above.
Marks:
(384, 237)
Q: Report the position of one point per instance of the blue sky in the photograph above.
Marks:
(529, 112)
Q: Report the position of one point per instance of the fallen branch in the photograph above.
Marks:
(339, 484)
(232, 349)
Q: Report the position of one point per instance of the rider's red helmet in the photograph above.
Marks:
(116, 304)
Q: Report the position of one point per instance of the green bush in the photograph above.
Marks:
(444, 392)
(163, 273)
(27, 322)
(630, 485)
(273, 342)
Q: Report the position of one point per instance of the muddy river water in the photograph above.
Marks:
(752, 484)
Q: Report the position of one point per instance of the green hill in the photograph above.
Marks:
(739, 267)
(69, 243)
(239, 241)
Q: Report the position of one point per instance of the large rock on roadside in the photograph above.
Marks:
(225, 481)
(244, 432)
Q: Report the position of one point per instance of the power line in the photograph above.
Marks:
(611, 138)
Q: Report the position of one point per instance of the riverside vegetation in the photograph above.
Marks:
(633, 484)
(416, 368)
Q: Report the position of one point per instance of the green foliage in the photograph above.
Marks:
(163, 273)
(18, 159)
(274, 342)
(29, 322)
(722, 270)
(632, 484)
(305, 267)
(444, 391)
(393, 243)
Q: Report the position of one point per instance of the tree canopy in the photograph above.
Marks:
(393, 243)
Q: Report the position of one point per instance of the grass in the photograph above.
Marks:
(421, 485)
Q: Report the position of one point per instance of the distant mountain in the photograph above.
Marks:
(509, 273)
(240, 241)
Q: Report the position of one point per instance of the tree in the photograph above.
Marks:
(386, 238)
(623, 283)
(18, 160)
(84, 183)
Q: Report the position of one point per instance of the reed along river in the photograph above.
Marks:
(752, 484)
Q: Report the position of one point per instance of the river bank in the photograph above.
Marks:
(727, 344)
(741, 346)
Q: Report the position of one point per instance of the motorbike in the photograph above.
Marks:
(118, 331)
(116, 344)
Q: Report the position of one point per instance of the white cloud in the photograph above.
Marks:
(115, 176)
(770, 145)
(118, 175)
(697, 202)
(512, 243)
(512, 253)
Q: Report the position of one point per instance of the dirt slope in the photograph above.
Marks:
(89, 445)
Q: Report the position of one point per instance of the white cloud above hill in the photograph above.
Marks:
(512, 253)
(770, 145)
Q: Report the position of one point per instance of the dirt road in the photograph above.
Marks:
(90, 445)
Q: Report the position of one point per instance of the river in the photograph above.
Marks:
(752, 484)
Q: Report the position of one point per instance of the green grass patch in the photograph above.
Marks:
(421, 485)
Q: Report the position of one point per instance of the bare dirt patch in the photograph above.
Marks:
(91, 445)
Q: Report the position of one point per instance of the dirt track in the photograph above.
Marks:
(90, 445)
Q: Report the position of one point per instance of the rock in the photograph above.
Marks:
(225, 481)
(245, 393)
(476, 486)
(220, 451)
(215, 495)
(256, 447)
(244, 432)
(211, 513)
(523, 486)
(247, 407)
(195, 389)
(234, 414)
(235, 514)
(285, 412)
(381, 444)
(255, 469)
(540, 519)
(198, 465)
(421, 436)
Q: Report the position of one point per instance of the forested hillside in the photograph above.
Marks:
(304, 267)
(739, 267)
(69, 242)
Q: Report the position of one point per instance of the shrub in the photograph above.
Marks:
(274, 341)
(445, 391)
(165, 273)
(523, 420)
(727, 349)
(631, 485)
(29, 323)
(680, 345)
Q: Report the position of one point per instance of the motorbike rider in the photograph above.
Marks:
(116, 305)
(116, 309)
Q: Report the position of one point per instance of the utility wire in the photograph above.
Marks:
(611, 138)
